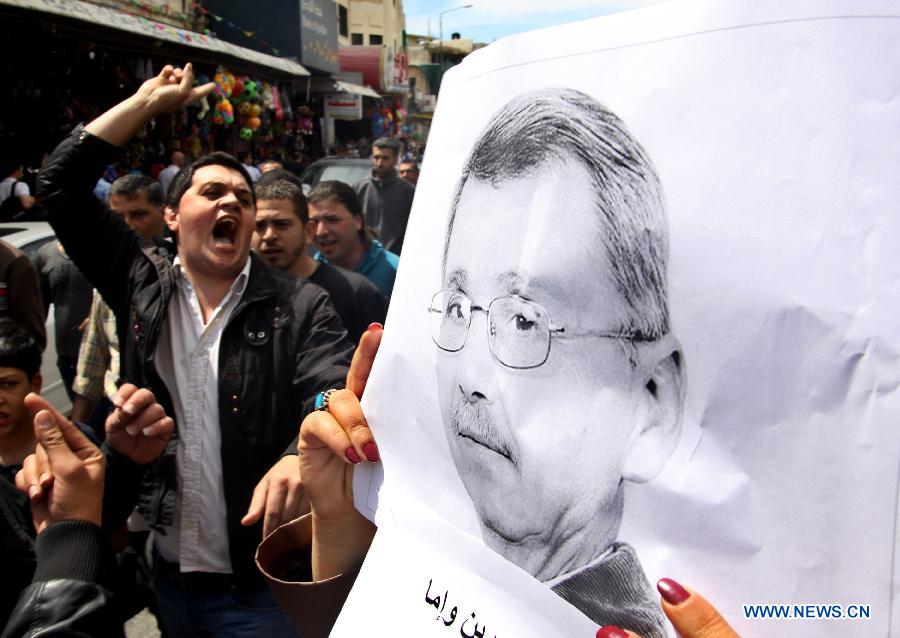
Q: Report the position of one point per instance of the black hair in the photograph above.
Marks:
(130, 186)
(386, 142)
(282, 184)
(18, 349)
(185, 177)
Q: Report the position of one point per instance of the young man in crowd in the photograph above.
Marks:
(409, 170)
(20, 364)
(386, 199)
(340, 233)
(15, 196)
(138, 200)
(236, 351)
(63, 285)
(282, 217)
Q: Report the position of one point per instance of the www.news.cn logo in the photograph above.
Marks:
(806, 612)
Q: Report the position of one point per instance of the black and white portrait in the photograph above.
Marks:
(559, 378)
(645, 327)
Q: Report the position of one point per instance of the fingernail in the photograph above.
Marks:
(672, 592)
(44, 420)
(352, 456)
(371, 451)
(611, 631)
(375, 326)
(33, 491)
(44, 477)
(128, 409)
(131, 429)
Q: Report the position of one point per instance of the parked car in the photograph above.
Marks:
(348, 171)
(29, 237)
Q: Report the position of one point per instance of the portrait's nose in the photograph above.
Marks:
(268, 233)
(477, 366)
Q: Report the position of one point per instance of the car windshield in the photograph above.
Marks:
(347, 173)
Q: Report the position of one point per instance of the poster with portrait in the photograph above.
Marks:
(646, 325)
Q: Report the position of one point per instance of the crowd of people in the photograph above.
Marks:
(218, 308)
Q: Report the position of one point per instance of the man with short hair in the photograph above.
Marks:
(166, 175)
(386, 199)
(15, 196)
(138, 200)
(577, 387)
(339, 230)
(409, 170)
(282, 217)
(236, 351)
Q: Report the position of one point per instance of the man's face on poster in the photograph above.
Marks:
(541, 439)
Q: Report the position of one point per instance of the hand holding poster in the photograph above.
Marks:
(645, 326)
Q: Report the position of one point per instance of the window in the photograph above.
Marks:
(356, 38)
(342, 21)
(374, 38)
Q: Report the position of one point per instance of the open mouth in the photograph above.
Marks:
(225, 230)
(325, 243)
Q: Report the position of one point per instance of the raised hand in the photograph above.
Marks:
(72, 469)
(138, 426)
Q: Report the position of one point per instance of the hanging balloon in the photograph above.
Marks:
(244, 108)
(246, 133)
(255, 110)
(251, 90)
(224, 83)
(238, 88)
(254, 123)
(226, 111)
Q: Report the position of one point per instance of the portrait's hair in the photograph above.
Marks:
(282, 184)
(414, 163)
(185, 177)
(386, 142)
(18, 349)
(548, 127)
(130, 186)
(335, 191)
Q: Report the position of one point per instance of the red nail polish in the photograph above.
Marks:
(352, 456)
(611, 631)
(371, 451)
(672, 592)
(375, 326)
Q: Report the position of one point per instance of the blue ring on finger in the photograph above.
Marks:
(322, 398)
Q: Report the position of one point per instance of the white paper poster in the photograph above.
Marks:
(647, 324)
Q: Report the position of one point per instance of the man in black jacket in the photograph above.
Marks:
(234, 350)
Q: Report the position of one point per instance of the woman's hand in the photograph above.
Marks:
(689, 612)
(331, 443)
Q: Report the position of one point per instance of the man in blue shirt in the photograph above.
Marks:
(339, 230)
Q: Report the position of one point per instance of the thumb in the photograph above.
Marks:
(53, 440)
(691, 614)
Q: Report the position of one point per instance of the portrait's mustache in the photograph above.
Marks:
(472, 421)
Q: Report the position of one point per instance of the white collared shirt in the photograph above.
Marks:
(187, 359)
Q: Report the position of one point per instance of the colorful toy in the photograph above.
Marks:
(238, 88)
(251, 90)
(246, 133)
(224, 113)
(255, 110)
(254, 123)
(224, 83)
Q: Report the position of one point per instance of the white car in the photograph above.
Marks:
(29, 237)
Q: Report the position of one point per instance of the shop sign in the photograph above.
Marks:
(343, 106)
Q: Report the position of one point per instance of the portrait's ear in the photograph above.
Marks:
(171, 215)
(660, 414)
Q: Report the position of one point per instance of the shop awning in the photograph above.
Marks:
(349, 87)
(332, 85)
(214, 50)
